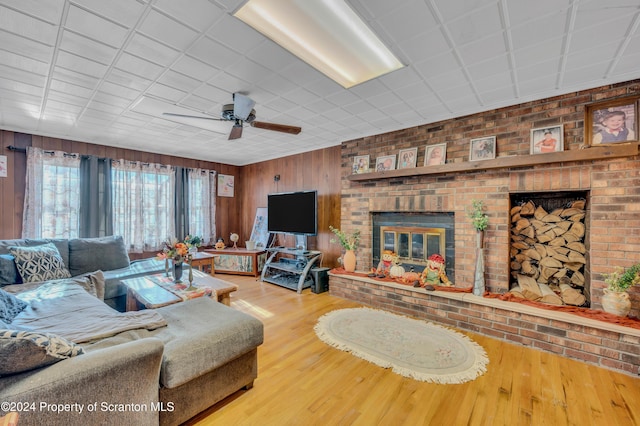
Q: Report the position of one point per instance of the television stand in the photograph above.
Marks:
(289, 267)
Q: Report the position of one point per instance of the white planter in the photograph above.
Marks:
(616, 302)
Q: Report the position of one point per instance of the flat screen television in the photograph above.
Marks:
(293, 212)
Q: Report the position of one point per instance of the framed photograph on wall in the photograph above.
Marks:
(225, 185)
(547, 139)
(386, 162)
(611, 122)
(482, 148)
(407, 158)
(435, 155)
(360, 164)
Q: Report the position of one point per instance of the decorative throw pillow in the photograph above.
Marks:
(92, 254)
(8, 271)
(39, 263)
(10, 306)
(27, 350)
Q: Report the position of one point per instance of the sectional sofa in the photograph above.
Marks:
(71, 358)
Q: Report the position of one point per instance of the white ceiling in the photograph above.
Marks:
(103, 71)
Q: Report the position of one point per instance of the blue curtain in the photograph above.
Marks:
(182, 203)
(96, 213)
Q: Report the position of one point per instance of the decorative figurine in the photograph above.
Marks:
(384, 265)
(234, 237)
(434, 273)
(410, 278)
(219, 244)
(396, 271)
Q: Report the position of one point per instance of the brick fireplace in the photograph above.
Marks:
(614, 238)
(612, 185)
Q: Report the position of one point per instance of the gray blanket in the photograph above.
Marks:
(68, 310)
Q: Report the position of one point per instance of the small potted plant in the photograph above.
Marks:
(193, 242)
(480, 221)
(615, 299)
(350, 243)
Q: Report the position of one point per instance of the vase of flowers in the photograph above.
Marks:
(480, 221)
(177, 271)
(193, 242)
(350, 243)
(177, 252)
(615, 299)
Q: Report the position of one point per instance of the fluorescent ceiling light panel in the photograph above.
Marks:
(327, 34)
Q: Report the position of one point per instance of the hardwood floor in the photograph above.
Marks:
(302, 381)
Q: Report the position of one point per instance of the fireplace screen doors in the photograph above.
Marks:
(413, 245)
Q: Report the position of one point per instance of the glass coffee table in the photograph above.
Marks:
(157, 290)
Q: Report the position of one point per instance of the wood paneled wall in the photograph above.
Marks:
(318, 170)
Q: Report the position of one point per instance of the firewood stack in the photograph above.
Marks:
(547, 253)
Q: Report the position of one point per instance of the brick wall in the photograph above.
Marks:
(613, 185)
(605, 345)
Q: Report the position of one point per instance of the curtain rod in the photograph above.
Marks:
(24, 150)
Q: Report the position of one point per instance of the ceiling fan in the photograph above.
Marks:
(241, 111)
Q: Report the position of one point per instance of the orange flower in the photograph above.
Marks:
(174, 249)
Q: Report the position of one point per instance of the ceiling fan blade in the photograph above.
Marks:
(171, 114)
(293, 130)
(236, 131)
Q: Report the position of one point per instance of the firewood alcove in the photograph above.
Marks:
(548, 256)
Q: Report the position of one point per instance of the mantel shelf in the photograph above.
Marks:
(588, 154)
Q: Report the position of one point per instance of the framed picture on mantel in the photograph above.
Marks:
(435, 155)
(482, 148)
(611, 122)
(361, 164)
(547, 139)
(407, 158)
(386, 162)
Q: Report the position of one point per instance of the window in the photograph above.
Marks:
(52, 195)
(202, 207)
(143, 200)
(143, 204)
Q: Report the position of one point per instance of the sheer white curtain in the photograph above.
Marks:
(202, 204)
(52, 194)
(143, 204)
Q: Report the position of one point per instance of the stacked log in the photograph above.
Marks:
(548, 252)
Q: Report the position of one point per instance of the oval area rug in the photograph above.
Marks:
(412, 348)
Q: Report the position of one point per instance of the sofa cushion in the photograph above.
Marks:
(28, 350)
(39, 263)
(10, 306)
(92, 254)
(201, 336)
(8, 270)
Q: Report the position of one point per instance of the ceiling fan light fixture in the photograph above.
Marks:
(327, 34)
(242, 106)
